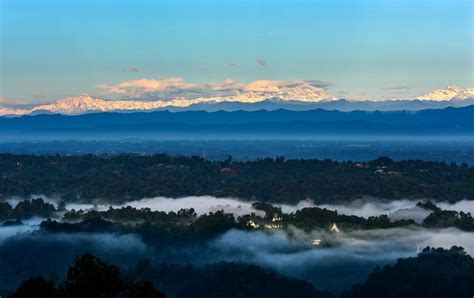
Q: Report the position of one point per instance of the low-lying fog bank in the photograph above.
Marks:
(399, 209)
(28, 225)
(331, 268)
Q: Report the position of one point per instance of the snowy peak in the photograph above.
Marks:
(70, 105)
(448, 93)
(8, 111)
(85, 103)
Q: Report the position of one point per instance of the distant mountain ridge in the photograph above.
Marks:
(434, 121)
(342, 105)
(294, 98)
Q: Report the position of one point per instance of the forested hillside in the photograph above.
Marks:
(128, 177)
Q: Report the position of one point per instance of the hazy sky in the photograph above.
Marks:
(51, 49)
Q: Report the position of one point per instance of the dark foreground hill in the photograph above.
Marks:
(434, 273)
(91, 277)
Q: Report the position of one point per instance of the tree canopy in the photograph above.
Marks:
(87, 277)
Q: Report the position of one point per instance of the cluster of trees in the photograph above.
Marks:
(87, 277)
(434, 273)
(126, 177)
(130, 214)
(450, 218)
(154, 227)
(92, 224)
(439, 218)
(26, 209)
(319, 218)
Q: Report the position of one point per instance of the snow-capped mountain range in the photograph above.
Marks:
(302, 96)
(449, 93)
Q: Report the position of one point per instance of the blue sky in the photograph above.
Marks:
(51, 49)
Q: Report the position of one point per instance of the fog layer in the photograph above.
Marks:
(341, 260)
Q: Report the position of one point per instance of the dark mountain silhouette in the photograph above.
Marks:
(436, 121)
